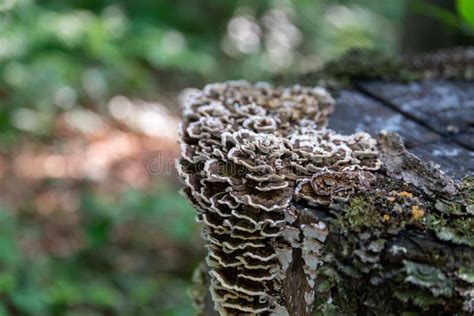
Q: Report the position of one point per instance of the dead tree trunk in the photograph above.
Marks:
(302, 220)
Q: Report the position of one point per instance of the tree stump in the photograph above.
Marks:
(302, 220)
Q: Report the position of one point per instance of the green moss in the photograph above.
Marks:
(359, 213)
(393, 205)
(370, 64)
(467, 187)
(389, 205)
(360, 64)
(366, 64)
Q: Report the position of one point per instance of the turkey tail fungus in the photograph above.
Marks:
(299, 219)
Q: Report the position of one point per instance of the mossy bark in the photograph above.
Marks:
(406, 245)
(403, 247)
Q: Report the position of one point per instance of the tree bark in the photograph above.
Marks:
(401, 245)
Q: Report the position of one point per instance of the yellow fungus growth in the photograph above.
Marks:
(405, 194)
(417, 212)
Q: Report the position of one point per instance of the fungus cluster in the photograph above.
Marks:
(247, 152)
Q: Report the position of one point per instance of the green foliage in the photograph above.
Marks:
(465, 9)
(105, 276)
(59, 54)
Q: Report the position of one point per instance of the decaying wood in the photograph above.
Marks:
(400, 164)
(405, 246)
(390, 235)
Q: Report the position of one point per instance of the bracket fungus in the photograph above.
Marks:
(248, 151)
(297, 217)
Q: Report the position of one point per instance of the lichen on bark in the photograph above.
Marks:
(391, 251)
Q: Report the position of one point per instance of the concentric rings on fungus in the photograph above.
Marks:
(247, 151)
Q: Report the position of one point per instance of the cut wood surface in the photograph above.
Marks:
(435, 118)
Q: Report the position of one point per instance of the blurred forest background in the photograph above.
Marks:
(91, 222)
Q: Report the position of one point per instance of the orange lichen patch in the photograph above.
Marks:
(405, 194)
(417, 212)
(386, 217)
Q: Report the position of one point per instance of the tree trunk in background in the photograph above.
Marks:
(423, 32)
